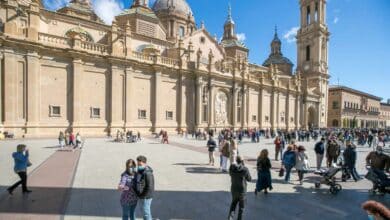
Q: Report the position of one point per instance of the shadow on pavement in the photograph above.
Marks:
(303, 203)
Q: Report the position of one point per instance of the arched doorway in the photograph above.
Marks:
(311, 118)
(335, 123)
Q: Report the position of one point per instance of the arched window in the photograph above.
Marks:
(308, 53)
(335, 123)
(181, 31)
(308, 15)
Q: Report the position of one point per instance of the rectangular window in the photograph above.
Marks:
(95, 112)
(181, 31)
(204, 114)
(54, 111)
(335, 105)
(254, 118)
(141, 114)
(308, 15)
(169, 115)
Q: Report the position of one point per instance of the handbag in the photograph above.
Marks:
(29, 164)
(281, 172)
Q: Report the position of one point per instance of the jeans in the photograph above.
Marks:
(23, 181)
(128, 212)
(145, 206)
(288, 172)
(240, 200)
(211, 157)
(320, 157)
(224, 163)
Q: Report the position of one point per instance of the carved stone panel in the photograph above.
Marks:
(221, 111)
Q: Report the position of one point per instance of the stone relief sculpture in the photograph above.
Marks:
(221, 108)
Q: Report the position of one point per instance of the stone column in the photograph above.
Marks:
(180, 108)
(260, 108)
(129, 97)
(244, 112)
(116, 83)
(234, 107)
(277, 110)
(274, 109)
(77, 92)
(33, 93)
(287, 112)
(10, 94)
(156, 113)
(198, 97)
(211, 106)
(297, 111)
(1, 88)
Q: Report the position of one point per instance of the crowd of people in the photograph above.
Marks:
(69, 139)
(337, 146)
(127, 136)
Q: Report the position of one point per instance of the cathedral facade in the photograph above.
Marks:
(152, 69)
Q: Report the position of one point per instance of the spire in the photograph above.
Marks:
(276, 44)
(229, 17)
(276, 38)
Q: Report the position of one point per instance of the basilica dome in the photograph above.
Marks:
(177, 6)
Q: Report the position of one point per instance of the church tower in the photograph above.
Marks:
(312, 42)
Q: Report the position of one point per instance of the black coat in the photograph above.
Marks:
(350, 157)
(144, 186)
(240, 176)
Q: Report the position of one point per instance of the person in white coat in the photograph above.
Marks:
(302, 164)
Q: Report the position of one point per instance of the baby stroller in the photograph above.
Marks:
(380, 181)
(328, 178)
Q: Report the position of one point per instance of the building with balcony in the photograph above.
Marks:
(350, 108)
(385, 115)
(153, 68)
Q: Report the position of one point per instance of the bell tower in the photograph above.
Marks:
(312, 64)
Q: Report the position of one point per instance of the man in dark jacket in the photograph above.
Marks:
(320, 150)
(211, 145)
(332, 152)
(379, 162)
(144, 186)
(350, 157)
(240, 176)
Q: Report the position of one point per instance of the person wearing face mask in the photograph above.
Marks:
(379, 162)
(376, 210)
(129, 197)
(144, 186)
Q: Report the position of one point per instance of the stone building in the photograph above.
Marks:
(152, 69)
(385, 115)
(350, 108)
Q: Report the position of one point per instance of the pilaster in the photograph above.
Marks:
(33, 93)
(10, 94)
(211, 105)
(77, 80)
(129, 97)
(234, 107)
(156, 114)
(260, 108)
(116, 98)
(198, 97)
(244, 112)
(1, 89)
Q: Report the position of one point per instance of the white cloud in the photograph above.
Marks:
(335, 20)
(241, 37)
(291, 34)
(107, 9)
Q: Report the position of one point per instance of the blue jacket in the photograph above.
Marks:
(289, 158)
(21, 161)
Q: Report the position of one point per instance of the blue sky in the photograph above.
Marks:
(359, 46)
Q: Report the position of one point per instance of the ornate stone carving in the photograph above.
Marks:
(221, 116)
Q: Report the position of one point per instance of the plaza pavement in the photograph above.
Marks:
(186, 188)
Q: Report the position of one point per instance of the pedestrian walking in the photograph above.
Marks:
(144, 186)
(71, 139)
(233, 150)
(320, 150)
(66, 138)
(78, 141)
(289, 160)
(332, 152)
(278, 147)
(129, 197)
(211, 145)
(350, 157)
(225, 155)
(61, 140)
(239, 175)
(264, 180)
(22, 161)
(302, 164)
